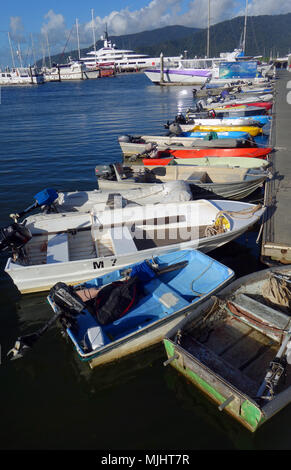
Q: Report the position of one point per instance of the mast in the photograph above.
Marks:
(245, 28)
(208, 31)
(11, 49)
(93, 30)
(19, 54)
(48, 48)
(78, 39)
(32, 47)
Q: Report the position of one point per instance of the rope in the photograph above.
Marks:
(277, 291)
(198, 277)
(219, 227)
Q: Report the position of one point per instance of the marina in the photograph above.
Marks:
(63, 149)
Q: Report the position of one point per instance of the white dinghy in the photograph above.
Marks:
(204, 182)
(73, 248)
(102, 199)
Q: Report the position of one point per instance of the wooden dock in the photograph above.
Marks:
(276, 236)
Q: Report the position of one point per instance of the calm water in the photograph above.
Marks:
(53, 136)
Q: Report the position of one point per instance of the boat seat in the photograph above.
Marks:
(57, 248)
(122, 240)
(261, 311)
(167, 296)
(97, 337)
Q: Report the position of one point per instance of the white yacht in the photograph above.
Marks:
(122, 59)
(74, 70)
(21, 76)
(193, 71)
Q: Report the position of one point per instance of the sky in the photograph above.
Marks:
(51, 25)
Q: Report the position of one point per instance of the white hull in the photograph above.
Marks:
(85, 201)
(173, 77)
(21, 76)
(65, 248)
(73, 71)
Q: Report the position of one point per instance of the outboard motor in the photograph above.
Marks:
(175, 129)
(200, 106)
(44, 199)
(14, 237)
(125, 138)
(105, 172)
(180, 119)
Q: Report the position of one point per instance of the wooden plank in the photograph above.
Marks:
(219, 366)
(276, 239)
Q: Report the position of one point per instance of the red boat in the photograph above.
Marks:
(164, 157)
(261, 104)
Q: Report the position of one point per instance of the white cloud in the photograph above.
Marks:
(16, 29)
(267, 7)
(54, 27)
(156, 14)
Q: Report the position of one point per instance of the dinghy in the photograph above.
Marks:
(135, 145)
(225, 130)
(237, 100)
(227, 134)
(233, 121)
(163, 157)
(222, 122)
(266, 105)
(226, 112)
(145, 300)
(236, 347)
(75, 247)
(225, 162)
(84, 201)
(204, 182)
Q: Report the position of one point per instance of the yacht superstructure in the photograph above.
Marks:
(21, 76)
(123, 59)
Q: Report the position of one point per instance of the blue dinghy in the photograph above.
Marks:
(220, 135)
(261, 120)
(172, 285)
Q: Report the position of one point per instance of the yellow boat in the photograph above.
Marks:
(252, 130)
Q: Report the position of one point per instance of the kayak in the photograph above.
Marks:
(164, 157)
(251, 130)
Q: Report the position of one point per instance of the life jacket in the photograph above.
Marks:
(115, 300)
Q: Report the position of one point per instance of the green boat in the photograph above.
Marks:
(225, 162)
(236, 347)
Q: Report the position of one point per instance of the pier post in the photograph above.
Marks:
(161, 68)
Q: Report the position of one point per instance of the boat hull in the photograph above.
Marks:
(193, 77)
(167, 155)
(227, 162)
(41, 277)
(133, 332)
(242, 407)
(235, 190)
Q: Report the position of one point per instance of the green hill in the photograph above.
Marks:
(265, 34)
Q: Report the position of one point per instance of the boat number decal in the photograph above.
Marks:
(114, 261)
(98, 264)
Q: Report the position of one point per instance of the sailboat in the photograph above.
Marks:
(20, 75)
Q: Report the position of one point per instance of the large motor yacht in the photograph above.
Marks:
(123, 59)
